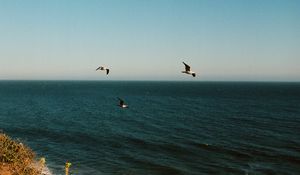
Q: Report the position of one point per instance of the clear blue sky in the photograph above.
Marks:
(148, 39)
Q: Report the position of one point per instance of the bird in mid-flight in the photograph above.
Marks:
(188, 70)
(122, 104)
(103, 68)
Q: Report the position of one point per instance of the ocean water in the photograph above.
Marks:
(169, 128)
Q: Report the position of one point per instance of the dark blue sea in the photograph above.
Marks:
(170, 128)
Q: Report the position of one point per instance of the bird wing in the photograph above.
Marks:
(121, 101)
(187, 67)
(98, 68)
(107, 71)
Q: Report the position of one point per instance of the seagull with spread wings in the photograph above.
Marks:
(103, 68)
(122, 103)
(188, 70)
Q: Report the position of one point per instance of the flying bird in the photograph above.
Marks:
(103, 68)
(122, 104)
(188, 70)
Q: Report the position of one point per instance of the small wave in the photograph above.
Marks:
(220, 149)
(46, 171)
(154, 167)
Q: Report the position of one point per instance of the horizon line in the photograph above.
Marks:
(140, 80)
